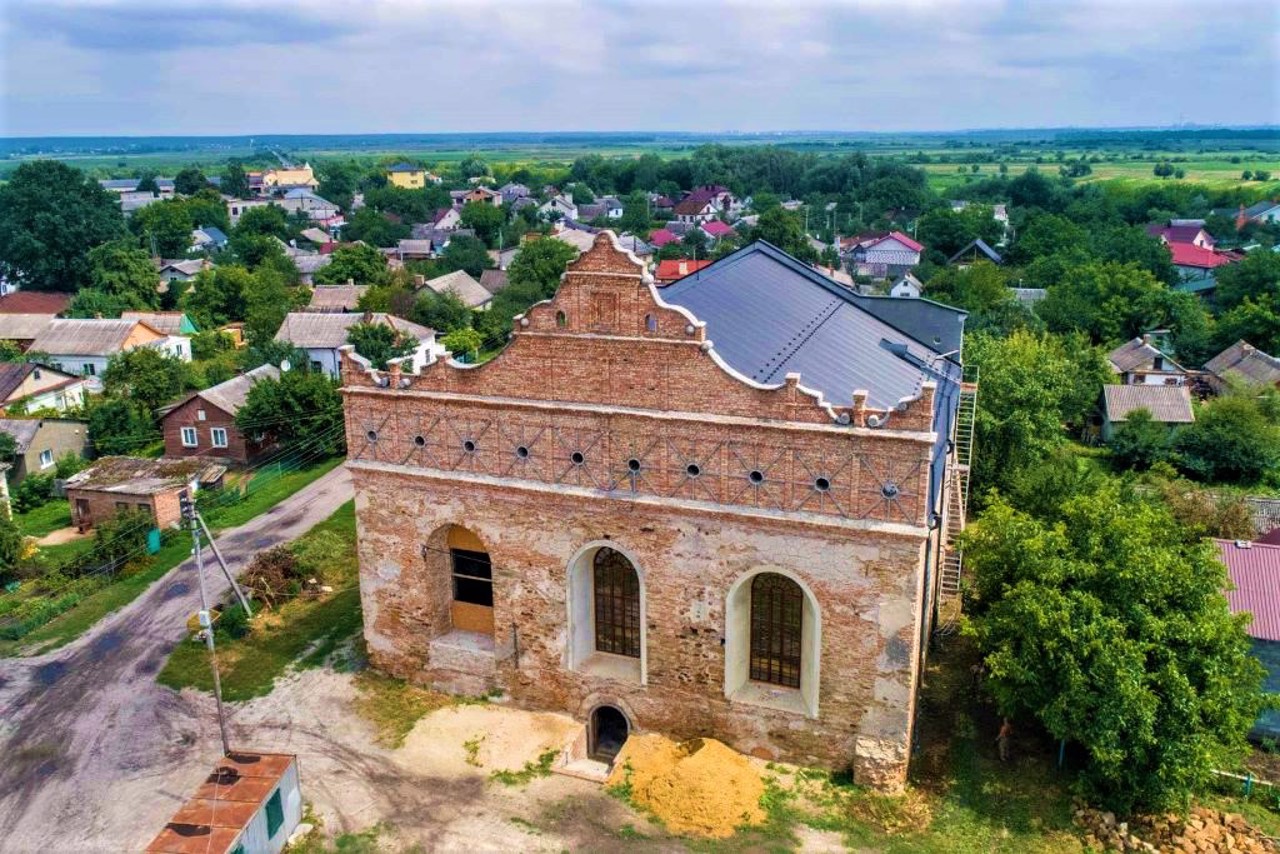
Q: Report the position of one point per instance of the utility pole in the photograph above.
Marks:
(206, 622)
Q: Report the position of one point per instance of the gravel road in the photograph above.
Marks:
(89, 740)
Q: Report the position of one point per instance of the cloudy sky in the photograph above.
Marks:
(346, 66)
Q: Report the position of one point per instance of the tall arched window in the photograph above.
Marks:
(617, 604)
(777, 609)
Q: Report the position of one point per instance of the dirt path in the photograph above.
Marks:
(90, 742)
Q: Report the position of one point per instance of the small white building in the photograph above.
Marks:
(561, 205)
(321, 335)
(907, 286)
(250, 804)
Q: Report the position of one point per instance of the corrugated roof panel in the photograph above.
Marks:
(1255, 572)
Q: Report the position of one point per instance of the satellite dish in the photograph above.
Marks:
(285, 365)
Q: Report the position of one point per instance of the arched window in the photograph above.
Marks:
(777, 617)
(617, 604)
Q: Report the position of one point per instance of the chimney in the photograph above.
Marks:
(684, 268)
(1146, 338)
(351, 283)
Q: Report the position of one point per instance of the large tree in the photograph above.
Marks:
(147, 376)
(1098, 619)
(235, 182)
(189, 181)
(379, 343)
(304, 408)
(358, 262)
(218, 296)
(119, 426)
(1257, 277)
(164, 227)
(486, 219)
(51, 215)
(1232, 439)
(465, 253)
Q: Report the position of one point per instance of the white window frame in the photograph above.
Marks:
(46, 458)
(213, 436)
(199, 414)
(190, 438)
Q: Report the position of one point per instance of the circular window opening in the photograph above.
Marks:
(889, 490)
(522, 452)
(420, 441)
(578, 458)
(469, 446)
(693, 470)
(821, 484)
(756, 476)
(633, 465)
(372, 435)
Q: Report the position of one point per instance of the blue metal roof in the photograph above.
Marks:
(769, 314)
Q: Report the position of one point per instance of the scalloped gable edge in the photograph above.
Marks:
(397, 377)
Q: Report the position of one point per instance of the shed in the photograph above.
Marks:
(1168, 404)
(115, 484)
(249, 804)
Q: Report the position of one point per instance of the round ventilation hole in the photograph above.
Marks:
(469, 446)
(633, 465)
(522, 452)
(693, 470)
(577, 458)
(372, 435)
(756, 476)
(420, 441)
(821, 484)
(889, 490)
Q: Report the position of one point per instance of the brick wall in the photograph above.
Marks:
(239, 449)
(163, 506)
(781, 481)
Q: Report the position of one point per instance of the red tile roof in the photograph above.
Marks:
(34, 302)
(1254, 570)
(717, 229)
(1190, 255)
(662, 237)
(903, 239)
(677, 268)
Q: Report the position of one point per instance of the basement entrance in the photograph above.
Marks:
(608, 732)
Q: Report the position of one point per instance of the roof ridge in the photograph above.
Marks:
(799, 341)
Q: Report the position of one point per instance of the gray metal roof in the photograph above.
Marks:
(1248, 362)
(22, 430)
(769, 315)
(231, 395)
(23, 327)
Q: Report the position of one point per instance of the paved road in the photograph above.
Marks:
(77, 721)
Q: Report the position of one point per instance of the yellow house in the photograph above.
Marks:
(298, 177)
(407, 176)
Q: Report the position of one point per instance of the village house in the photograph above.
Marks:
(671, 511)
(446, 219)
(907, 287)
(28, 387)
(694, 210)
(116, 484)
(183, 270)
(511, 192)
(715, 229)
(40, 442)
(336, 298)
(1243, 363)
(236, 208)
(289, 178)
(321, 335)
(463, 286)
(558, 207)
(493, 281)
(1189, 231)
(883, 255)
(21, 330)
(1141, 362)
(309, 265)
(974, 251)
(662, 237)
(406, 176)
(208, 238)
(168, 322)
(675, 269)
(1168, 404)
(85, 346)
(484, 196)
(204, 424)
(1253, 568)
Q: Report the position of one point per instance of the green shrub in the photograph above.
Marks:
(34, 491)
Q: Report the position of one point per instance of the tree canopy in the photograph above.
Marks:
(51, 216)
(301, 407)
(379, 343)
(358, 262)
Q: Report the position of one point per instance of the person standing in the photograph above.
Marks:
(1004, 739)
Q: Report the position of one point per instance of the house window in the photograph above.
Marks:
(89, 370)
(199, 414)
(189, 439)
(275, 814)
(35, 374)
(777, 606)
(46, 459)
(122, 506)
(617, 601)
(219, 437)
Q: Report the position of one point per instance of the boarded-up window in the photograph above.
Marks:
(777, 606)
(617, 594)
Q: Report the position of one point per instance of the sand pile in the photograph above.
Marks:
(699, 787)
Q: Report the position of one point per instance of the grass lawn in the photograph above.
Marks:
(81, 616)
(45, 519)
(266, 489)
(304, 630)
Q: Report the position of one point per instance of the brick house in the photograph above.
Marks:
(618, 518)
(204, 425)
(115, 484)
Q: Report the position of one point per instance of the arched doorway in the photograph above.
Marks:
(472, 580)
(609, 731)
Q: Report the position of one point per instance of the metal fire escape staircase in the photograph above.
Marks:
(958, 483)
